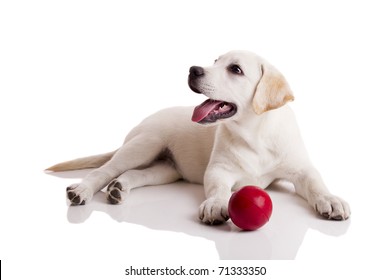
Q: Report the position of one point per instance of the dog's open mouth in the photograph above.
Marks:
(212, 110)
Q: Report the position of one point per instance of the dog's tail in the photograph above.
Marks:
(82, 163)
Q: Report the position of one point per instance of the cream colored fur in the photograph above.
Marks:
(261, 143)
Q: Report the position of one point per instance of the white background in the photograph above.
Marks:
(75, 76)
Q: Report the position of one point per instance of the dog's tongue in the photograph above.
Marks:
(201, 111)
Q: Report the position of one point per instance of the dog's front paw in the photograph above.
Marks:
(115, 192)
(214, 211)
(78, 194)
(331, 207)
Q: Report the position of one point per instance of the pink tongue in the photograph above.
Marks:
(201, 111)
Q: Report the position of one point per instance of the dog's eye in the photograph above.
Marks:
(235, 69)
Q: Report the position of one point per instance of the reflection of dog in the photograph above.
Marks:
(243, 134)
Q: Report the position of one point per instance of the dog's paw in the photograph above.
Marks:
(115, 192)
(214, 211)
(78, 194)
(331, 207)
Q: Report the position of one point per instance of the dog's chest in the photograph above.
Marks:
(254, 162)
(254, 168)
(250, 155)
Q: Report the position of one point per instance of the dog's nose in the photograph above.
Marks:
(196, 71)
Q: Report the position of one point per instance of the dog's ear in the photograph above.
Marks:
(272, 90)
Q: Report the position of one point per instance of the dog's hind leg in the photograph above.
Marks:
(159, 173)
(138, 152)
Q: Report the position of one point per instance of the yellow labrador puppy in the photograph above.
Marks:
(242, 134)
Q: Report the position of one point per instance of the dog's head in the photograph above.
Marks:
(237, 82)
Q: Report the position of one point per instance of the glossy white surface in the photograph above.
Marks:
(75, 76)
(173, 208)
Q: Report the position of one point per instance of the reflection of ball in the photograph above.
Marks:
(250, 208)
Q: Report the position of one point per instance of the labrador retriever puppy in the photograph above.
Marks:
(243, 134)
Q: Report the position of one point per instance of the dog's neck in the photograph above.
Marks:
(247, 127)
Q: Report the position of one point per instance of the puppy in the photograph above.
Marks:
(243, 134)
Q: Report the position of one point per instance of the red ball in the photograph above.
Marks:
(250, 208)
